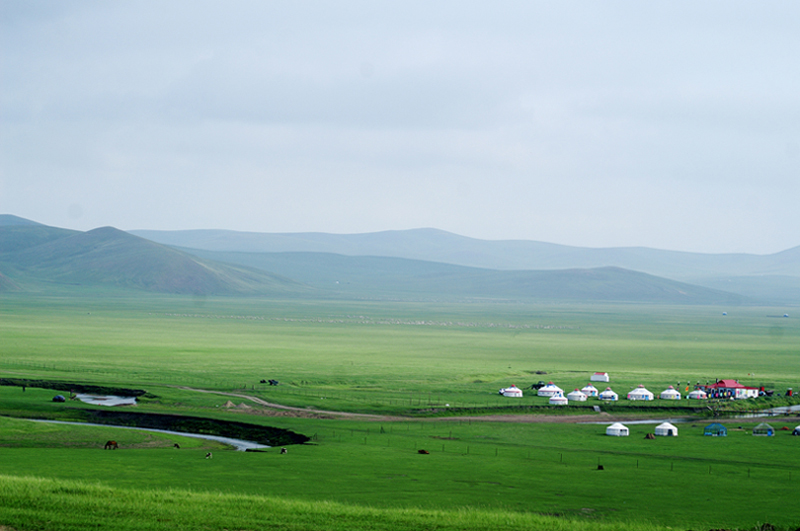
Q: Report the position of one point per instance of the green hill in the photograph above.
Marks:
(370, 276)
(37, 255)
(773, 277)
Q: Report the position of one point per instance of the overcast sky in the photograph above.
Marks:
(671, 124)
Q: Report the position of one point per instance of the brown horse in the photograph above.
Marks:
(111, 445)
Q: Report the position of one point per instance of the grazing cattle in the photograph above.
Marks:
(284, 450)
(208, 455)
(111, 445)
(176, 445)
(423, 452)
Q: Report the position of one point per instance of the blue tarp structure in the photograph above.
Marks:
(716, 430)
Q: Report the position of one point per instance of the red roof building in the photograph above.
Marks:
(730, 389)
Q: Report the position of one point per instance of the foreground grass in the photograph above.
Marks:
(688, 482)
(58, 505)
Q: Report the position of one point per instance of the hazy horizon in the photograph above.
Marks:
(619, 124)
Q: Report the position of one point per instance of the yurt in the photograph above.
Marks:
(559, 400)
(590, 390)
(513, 392)
(670, 393)
(697, 394)
(716, 430)
(550, 389)
(608, 394)
(764, 430)
(577, 396)
(796, 431)
(640, 393)
(666, 429)
(599, 377)
(617, 430)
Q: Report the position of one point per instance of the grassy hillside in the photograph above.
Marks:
(374, 276)
(38, 256)
(440, 246)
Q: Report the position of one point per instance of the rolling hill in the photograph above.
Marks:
(38, 257)
(774, 277)
(371, 276)
(35, 256)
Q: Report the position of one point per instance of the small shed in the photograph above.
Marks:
(608, 394)
(640, 393)
(590, 390)
(670, 393)
(559, 400)
(764, 430)
(697, 394)
(599, 377)
(513, 392)
(550, 389)
(577, 396)
(716, 430)
(665, 429)
(617, 430)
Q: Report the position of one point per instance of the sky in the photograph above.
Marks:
(665, 124)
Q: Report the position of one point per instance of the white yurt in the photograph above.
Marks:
(640, 393)
(666, 429)
(599, 377)
(559, 400)
(590, 390)
(698, 394)
(513, 391)
(577, 396)
(796, 431)
(670, 393)
(608, 394)
(617, 430)
(550, 389)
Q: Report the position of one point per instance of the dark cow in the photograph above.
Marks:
(176, 445)
(284, 450)
(111, 445)
(426, 452)
(208, 455)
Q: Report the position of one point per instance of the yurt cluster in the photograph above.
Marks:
(715, 429)
(558, 398)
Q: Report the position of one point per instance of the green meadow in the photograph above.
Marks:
(425, 365)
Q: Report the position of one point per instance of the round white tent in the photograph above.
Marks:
(590, 390)
(698, 394)
(559, 400)
(617, 430)
(670, 393)
(577, 396)
(666, 429)
(513, 392)
(608, 394)
(640, 393)
(550, 389)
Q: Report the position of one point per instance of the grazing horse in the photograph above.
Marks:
(208, 455)
(425, 452)
(111, 445)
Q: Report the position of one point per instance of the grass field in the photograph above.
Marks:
(399, 358)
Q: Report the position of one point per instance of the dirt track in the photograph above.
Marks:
(301, 412)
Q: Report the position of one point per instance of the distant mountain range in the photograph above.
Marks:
(773, 277)
(417, 264)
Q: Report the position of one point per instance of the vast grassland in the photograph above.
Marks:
(401, 359)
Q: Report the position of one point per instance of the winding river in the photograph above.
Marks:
(236, 443)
